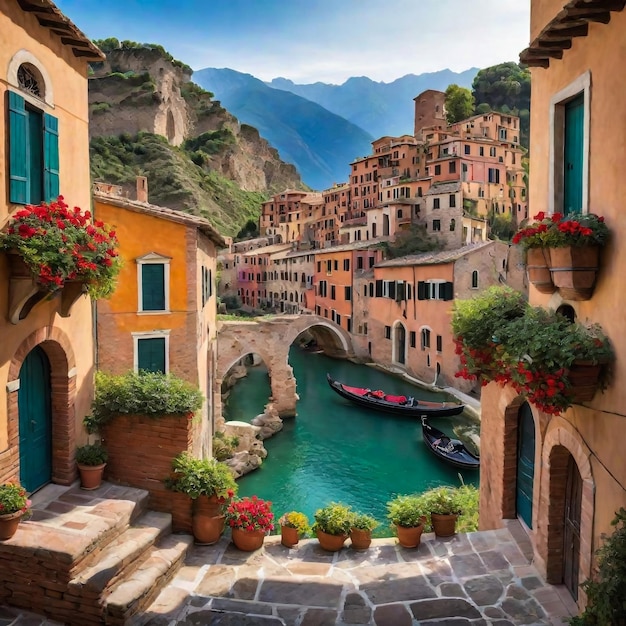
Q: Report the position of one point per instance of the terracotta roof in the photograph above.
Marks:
(571, 21)
(355, 245)
(438, 188)
(436, 258)
(172, 215)
(49, 16)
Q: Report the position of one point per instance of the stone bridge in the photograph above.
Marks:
(271, 339)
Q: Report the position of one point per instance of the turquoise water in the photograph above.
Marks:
(335, 451)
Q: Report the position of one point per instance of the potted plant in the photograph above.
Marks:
(59, 245)
(332, 525)
(210, 485)
(444, 505)
(408, 514)
(250, 519)
(91, 460)
(293, 525)
(361, 527)
(14, 506)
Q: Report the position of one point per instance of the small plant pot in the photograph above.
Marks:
(330, 543)
(208, 506)
(410, 537)
(91, 476)
(360, 539)
(289, 536)
(248, 541)
(444, 525)
(9, 524)
(538, 268)
(207, 529)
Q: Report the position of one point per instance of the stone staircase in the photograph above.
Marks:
(90, 557)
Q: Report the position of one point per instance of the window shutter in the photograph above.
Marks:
(379, 288)
(400, 291)
(446, 291)
(151, 355)
(50, 157)
(422, 292)
(392, 290)
(153, 287)
(18, 144)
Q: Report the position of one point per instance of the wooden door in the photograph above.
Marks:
(525, 464)
(571, 527)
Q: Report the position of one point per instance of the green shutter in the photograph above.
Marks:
(151, 354)
(422, 292)
(153, 287)
(574, 147)
(446, 291)
(50, 157)
(18, 150)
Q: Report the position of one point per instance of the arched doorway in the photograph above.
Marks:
(571, 527)
(525, 465)
(400, 340)
(35, 420)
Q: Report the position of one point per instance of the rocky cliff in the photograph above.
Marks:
(148, 118)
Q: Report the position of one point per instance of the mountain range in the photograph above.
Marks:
(322, 128)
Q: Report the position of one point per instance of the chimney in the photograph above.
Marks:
(142, 189)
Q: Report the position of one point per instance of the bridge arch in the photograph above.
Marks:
(271, 339)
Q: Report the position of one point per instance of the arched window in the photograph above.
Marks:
(475, 279)
(29, 79)
(452, 224)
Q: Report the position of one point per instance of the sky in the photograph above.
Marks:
(316, 40)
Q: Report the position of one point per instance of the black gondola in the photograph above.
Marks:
(450, 450)
(398, 405)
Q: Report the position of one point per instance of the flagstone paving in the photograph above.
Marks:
(483, 578)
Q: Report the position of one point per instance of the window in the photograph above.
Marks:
(153, 278)
(452, 167)
(348, 293)
(33, 153)
(336, 264)
(207, 284)
(370, 261)
(412, 339)
(387, 332)
(439, 343)
(319, 266)
(494, 175)
(452, 200)
(467, 149)
(475, 279)
(435, 290)
(452, 225)
(492, 151)
(332, 292)
(349, 324)
(151, 352)
(436, 225)
(329, 266)
(436, 203)
(503, 134)
(481, 151)
(346, 265)
(425, 338)
(437, 170)
(359, 262)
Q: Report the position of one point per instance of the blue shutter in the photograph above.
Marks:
(151, 354)
(574, 148)
(18, 150)
(153, 287)
(50, 157)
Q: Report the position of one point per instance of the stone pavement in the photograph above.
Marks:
(482, 578)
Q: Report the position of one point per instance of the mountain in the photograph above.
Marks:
(320, 143)
(377, 107)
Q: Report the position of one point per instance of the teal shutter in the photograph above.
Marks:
(153, 286)
(151, 355)
(50, 157)
(573, 161)
(18, 150)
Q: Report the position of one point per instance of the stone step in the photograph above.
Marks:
(122, 554)
(136, 592)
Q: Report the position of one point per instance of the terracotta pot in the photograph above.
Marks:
(289, 536)
(360, 539)
(9, 524)
(90, 476)
(331, 543)
(207, 529)
(208, 506)
(248, 541)
(574, 271)
(409, 537)
(584, 378)
(444, 525)
(538, 270)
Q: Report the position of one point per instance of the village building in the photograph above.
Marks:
(47, 351)
(564, 476)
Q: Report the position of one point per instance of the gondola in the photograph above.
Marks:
(398, 405)
(450, 450)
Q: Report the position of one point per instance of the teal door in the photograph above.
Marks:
(573, 157)
(525, 464)
(35, 421)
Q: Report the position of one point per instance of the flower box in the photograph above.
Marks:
(574, 271)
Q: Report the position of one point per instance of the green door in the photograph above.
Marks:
(525, 464)
(35, 421)
(573, 157)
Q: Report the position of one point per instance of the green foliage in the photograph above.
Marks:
(231, 301)
(459, 104)
(112, 44)
(13, 498)
(191, 91)
(250, 230)
(99, 107)
(408, 511)
(212, 142)
(201, 477)
(606, 595)
(224, 446)
(333, 519)
(501, 226)
(92, 454)
(297, 520)
(143, 393)
(411, 241)
(361, 521)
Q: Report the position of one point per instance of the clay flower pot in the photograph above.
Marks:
(444, 525)
(9, 524)
(410, 537)
(248, 541)
(207, 529)
(289, 536)
(574, 270)
(90, 476)
(331, 543)
(360, 539)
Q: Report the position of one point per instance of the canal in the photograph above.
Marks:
(335, 451)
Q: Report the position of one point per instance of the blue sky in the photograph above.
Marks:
(316, 40)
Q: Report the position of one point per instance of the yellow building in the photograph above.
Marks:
(565, 476)
(162, 317)
(46, 360)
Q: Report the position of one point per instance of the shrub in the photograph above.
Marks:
(92, 454)
(333, 519)
(13, 498)
(250, 514)
(407, 510)
(297, 520)
(201, 477)
(224, 446)
(361, 521)
(141, 393)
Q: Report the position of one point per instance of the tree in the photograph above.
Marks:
(412, 241)
(459, 104)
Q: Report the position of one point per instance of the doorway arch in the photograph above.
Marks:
(399, 344)
(525, 474)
